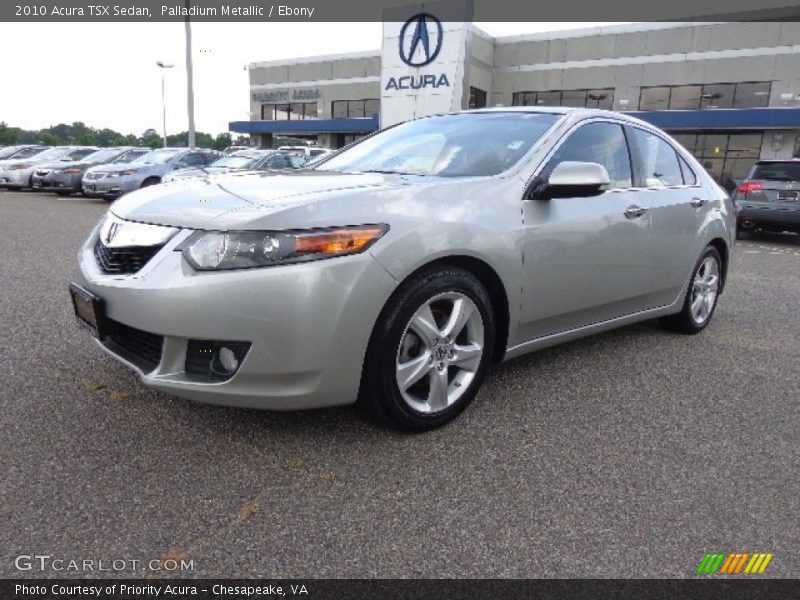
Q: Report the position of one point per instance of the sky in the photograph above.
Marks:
(105, 74)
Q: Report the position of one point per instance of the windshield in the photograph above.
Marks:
(28, 152)
(462, 145)
(54, 153)
(777, 171)
(104, 155)
(131, 155)
(157, 157)
(79, 153)
(236, 161)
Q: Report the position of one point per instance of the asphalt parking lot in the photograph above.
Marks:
(628, 454)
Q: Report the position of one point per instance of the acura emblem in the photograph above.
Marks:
(417, 49)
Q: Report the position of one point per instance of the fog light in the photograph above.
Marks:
(228, 359)
(215, 360)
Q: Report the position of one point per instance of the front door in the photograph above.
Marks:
(586, 260)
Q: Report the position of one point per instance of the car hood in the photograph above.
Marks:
(201, 203)
(18, 161)
(108, 167)
(66, 164)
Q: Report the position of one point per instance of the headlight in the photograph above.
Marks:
(125, 172)
(217, 250)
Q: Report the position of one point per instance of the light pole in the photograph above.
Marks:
(164, 65)
(189, 76)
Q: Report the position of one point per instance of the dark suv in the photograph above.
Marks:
(769, 198)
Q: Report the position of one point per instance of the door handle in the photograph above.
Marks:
(698, 202)
(634, 211)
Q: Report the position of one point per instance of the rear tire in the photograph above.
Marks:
(701, 296)
(429, 351)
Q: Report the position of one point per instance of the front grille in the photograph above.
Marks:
(134, 345)
(125, 260)
(95, 176)
(42, 172)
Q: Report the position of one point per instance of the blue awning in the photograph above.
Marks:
(308, 126)
(723, 118)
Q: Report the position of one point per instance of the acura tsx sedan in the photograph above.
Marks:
(395, 272)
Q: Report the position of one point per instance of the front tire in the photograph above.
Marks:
(701, 297)
(150, 181)
(430, 350)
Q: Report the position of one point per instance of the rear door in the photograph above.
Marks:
(678, 208)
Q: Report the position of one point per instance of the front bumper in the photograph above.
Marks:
(56, 182)
(768, 216)
(309, 324)
(15, 178)
(110, 186)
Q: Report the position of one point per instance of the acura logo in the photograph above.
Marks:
(112, 232)
(420, 40)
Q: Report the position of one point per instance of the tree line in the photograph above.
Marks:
(80, 134)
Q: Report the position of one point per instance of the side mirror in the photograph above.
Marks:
(572, 179)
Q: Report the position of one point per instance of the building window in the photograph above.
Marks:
(712, 95)
(477, 98)
(726, 156)
(349, 109)
(598, 98)
(296, 111)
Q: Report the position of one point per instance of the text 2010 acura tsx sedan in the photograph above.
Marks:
(397, 270)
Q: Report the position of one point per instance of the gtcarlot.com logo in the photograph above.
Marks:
(45, 562)
(734, 563)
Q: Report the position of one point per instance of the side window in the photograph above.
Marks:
(689, 178)
(602, 143)
(658, 161)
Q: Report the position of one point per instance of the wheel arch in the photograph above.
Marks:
(494, 286)
(722, 247)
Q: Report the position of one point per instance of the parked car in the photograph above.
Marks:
(234, 149)
(398, 270)
(111, 181)
(21, 151)
(276, 161)
(240, 160)
(65, 178)
(769, 197)
(17, 174)
(309, 152)
(319, 158)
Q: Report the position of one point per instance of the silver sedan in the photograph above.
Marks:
(396, 272)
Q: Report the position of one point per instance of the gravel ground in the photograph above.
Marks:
(628, 454)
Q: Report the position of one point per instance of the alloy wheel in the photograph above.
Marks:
(705, 288)
(440, 352)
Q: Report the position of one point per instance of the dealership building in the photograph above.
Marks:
(729, 92)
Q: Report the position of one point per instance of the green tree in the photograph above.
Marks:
(222, 141)
(9, 135)
(48, 138)
(151, 139)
